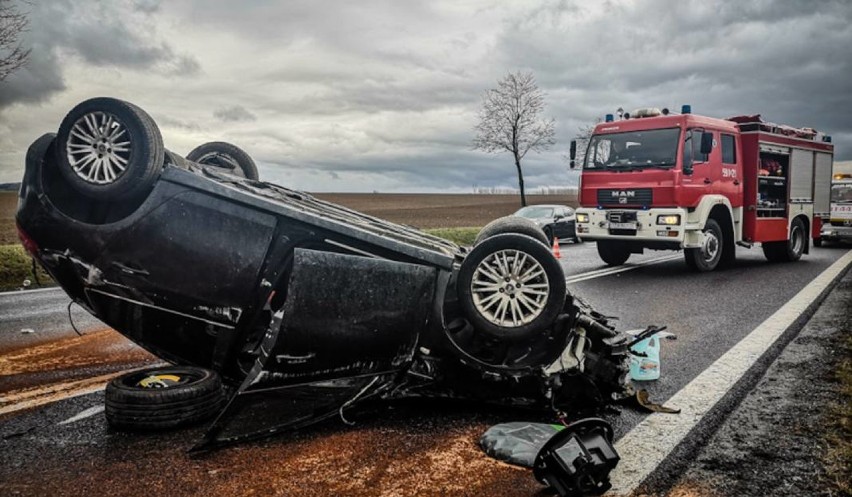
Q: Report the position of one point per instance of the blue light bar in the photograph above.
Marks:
(609, 118)
(686, 109)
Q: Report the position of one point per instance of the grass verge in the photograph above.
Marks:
(16, 265)
(461, 236)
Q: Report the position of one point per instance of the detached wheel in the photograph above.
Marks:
(706, 258)
(789, 250)
(230, 158)
(613, 253)
(512, 224)
(109, 149)
(511, 287)
(163, 398)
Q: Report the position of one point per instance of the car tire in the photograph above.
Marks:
(707, 258)
(525, 305)
(788, 250)
(511, 224)
(109, 149)
(163, 398)
(225, 156)
(613, 253)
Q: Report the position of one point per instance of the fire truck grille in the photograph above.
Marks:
(626, 196)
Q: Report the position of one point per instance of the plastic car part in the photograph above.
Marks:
(163, 397)
(225, 156)
(577, 460)
(517, 443)
(109, 149)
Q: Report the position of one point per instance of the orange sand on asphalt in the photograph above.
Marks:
(68, 359)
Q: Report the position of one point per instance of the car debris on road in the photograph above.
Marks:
(304, 309)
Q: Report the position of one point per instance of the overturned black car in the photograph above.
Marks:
(310, 305)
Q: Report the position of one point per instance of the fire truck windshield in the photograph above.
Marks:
(633, 150)
(841, 193)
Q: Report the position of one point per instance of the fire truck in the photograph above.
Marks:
(839, 227)
(661, 180)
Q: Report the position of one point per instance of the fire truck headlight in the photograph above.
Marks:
(670, 219)
(582, 218)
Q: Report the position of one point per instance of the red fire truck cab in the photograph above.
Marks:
(660, 180)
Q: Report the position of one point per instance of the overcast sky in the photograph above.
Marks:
(382, 95)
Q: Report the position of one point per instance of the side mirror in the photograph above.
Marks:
(706, 143)
(572, 153)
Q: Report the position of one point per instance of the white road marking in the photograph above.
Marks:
(86, 413)
(648, 443)
(37, 290)
(598, 273)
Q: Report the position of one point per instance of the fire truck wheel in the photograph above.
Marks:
(613, 253)
(789, 250)
(707, 257)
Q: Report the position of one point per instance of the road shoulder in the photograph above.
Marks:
(781, 439)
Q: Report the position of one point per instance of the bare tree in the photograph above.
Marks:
(12, 54)
(509, 121)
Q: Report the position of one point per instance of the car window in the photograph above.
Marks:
(533, 212)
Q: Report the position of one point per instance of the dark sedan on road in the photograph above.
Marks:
(283, 296)
(555, 220)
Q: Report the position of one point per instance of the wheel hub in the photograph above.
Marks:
(711, 246)
(98, 148)
(509, 288)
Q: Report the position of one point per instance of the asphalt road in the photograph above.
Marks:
(429, 450)
(30, 317)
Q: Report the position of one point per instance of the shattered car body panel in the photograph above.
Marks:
(313, 304)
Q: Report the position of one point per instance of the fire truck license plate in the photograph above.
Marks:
(622, 226)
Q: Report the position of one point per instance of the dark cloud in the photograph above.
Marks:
(101, 34)
(147, 6)
(786, 60)
(234, 113)
(41, 77)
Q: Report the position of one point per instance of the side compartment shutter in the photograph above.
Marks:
(822, 183)
(801, 175)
